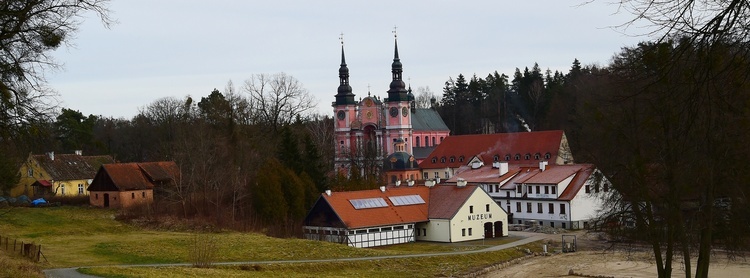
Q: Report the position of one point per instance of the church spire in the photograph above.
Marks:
(397, 91)
(344, 95)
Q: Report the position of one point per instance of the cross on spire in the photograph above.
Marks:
(395, 33)
(341, 38)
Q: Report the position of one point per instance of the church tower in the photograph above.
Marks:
(398, 112)
(344, 109)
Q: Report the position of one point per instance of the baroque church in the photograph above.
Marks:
(385, 137)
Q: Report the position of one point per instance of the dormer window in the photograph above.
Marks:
(453, 159)
(442, 159)
(496, 158)
(547, 156)
(461, 158)
(518, 157)
(537, 156)
(434, 160)
(527, 156)
(507, 157)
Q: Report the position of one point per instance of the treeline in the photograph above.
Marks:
(532, 100)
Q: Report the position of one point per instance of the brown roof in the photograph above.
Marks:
(485, 174)
(578, 182)
(487, 146)
(134, 176)
(446, 200)
(441, 202)
(71, 166)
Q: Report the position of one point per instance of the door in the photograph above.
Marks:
(106, 200)
(499, 228)
(488, 230)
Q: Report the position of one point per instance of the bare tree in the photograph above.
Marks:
(278, 98)
(425, 97)
(29, 30)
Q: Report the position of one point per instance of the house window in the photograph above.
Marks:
(471, 209)
(80, 189)
(487, 207)
(551, 208)
(463, 232)
(446, 175)
(424, 232)
(529, 189)
(528, 206)
(143, 194)
(96, 196)
(552, 224)
(563, 225)
(541, 223)
(62, 189)
(588, 188)
(596, 188)
(518, 189)
(562, 211)
(469, 231)
(507, 194)
(436, 175)
(30, 172)
(441, 139)
(539, 208)
(554, 189)
(606, 187)
(518, 207)
(426, 175)
(546, 190)
(132, 195)
(537, 190)
(426, 142)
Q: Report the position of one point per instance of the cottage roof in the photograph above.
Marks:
(71, 166)
(440, 202)
(134, 176)
(500, 145)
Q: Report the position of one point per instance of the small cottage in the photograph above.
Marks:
(123, 185)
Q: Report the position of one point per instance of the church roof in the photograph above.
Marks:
(427, 119)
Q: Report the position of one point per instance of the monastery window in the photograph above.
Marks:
(537, 190)
(507, 194)
(463, 232)
(434, 160)
(588, 188)
(424, 231)
(537, 156)
(551, 208)
(562, 210)
(393, 179)
(518, 207)
(539, 208)
(441, 139)
(436, 175)
(453, 159)
(547, 156)
(496, 158)
(527, 156)
(528, 206)
(446, 175)
(507, 157)
(426, 175)
(554, 189)
(461, 158)
(469, 231)
(546, 189)
(518, 157)
(411, 177)
(471, 209)
(519, 189)
(487, 207)
(497, 189)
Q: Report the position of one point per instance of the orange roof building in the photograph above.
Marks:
(560, 196)
(521, 148)
(401, 214)
(123, 185)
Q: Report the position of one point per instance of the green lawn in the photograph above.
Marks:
(78, 236)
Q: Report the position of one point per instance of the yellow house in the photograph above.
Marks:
(58, 174)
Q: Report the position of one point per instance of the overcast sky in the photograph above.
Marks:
(179, 48)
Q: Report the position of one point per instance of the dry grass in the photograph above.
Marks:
(16, 266)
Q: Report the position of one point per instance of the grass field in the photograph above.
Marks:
(78, 236)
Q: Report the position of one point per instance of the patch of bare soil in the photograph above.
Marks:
(593, 261)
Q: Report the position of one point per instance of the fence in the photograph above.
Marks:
(28, 250)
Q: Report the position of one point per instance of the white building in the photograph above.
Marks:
(562, 196)
(393, 215)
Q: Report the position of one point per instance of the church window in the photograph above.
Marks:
(441, 139)
(433, 141)
(393, 179)
(416, 143)
(426, 142)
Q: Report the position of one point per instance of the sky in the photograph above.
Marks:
(172, 48)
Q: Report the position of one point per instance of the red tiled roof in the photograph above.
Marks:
(71, 166)
(489, 145)
(485, 174)
(373, 217)
(553, 174)
(134, 176)
(445, 200)
(579, 181)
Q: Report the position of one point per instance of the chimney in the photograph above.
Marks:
(328, 192)
(429, 183)
(382, 189)
(398, 183)
(503, 166)
(79, 152)
(542, 165)
(461, 182)
(496, 164)
(410, 183)
(51, 156)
